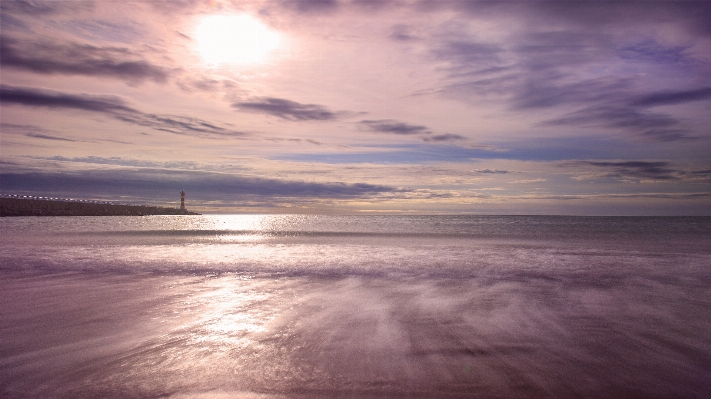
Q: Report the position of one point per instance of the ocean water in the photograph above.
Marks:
(256, 306)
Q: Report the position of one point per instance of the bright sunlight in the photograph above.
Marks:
(234, 39)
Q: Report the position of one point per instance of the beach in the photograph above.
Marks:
(282, 307)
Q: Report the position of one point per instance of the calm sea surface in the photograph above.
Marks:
(355, 307)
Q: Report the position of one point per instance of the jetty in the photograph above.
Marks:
(45, 206)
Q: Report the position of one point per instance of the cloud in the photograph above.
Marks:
(126, 162)
(651, 51)
(179, 124)
(293, 140)
(394, 127)
(114, 107)
(35, 8)
(161, 183)
(588, 15)
(441, 138)
(119, 31)
(463, 53)
(309, 6)
(52, 99)
(74, 59)
(652, 170)
(673, 97)
(652, 125)
(287, 109)
(555, 56)
(537, 180)
(545, 93)
(48, 137)
(701, 173)
(11, 23)
(32, 131)
(403, 33)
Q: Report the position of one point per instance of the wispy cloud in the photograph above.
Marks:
(34, 97)
(529, 181)
(652, 125)
(441, 138)
(652, 170)
(48, 137)
(673, 97)
(394, 127)
(76, 59)
(120, 161)
(309, 6)
(287, 109)
(35, 8)
(115, 107)
(558, 69)
(33, 131)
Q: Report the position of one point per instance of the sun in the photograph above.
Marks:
(234, 39)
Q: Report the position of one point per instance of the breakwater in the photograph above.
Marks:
(44, 207)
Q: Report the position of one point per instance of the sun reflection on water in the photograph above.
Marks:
(233, 314)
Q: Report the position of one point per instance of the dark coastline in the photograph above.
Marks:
(35, 207)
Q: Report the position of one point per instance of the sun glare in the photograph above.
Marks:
(234, 39)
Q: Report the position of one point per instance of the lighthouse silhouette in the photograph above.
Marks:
(182, 200)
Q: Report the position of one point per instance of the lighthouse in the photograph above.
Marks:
(182, 200)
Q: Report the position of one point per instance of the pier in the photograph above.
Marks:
(15, 205)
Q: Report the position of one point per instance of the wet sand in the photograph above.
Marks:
(88, 335)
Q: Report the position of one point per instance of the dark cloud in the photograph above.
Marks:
(611, 104)
(701, 173)
(126, 162)
(467, 53)
(402, 33)
(178, 124)
(698, 175)
(36, 132)
(183, 7)
(653, 170)
(447, 137)
(75, 59)
(121, 31)
(293, 140)
(11, 23)
(161, 183)
(326, 7)
(673, 97)
(48, 137)
(394, 127)
(589, 15)
(652, 125)
(550, 93)
(35, 8)
(51, 99)
(372, 4)
(651, 51)
(287, 109)
(551, 50)
(114, 107)
(309, 6)
(492, 171)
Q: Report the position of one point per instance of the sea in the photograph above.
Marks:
(368, 306)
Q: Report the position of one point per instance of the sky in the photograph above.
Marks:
(360, 106)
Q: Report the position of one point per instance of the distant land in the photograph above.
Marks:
(57, 207)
